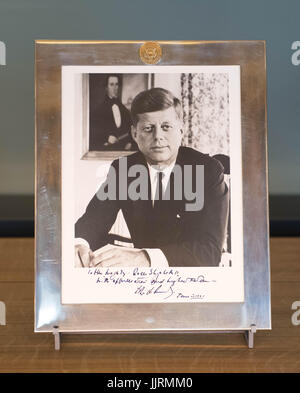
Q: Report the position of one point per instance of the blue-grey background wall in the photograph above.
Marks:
(23, 21)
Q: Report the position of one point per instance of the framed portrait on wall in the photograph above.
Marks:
(151, 186)
(108, 100)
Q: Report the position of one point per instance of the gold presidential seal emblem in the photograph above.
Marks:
(150, 52)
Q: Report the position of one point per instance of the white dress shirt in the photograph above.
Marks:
(157, 257)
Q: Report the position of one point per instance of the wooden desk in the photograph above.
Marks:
(21, 350)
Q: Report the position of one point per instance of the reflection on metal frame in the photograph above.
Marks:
(197, 317)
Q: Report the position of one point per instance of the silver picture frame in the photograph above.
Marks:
(53, 316)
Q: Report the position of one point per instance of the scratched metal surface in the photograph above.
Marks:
(49, 311)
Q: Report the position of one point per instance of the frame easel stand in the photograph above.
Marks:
(249, 335)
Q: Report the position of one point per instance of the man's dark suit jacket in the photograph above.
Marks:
(104, 125)
(187, 238)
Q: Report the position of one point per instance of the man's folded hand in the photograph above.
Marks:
(83, 255)
(116, 256)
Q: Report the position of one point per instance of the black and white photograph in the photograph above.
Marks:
(152, 196)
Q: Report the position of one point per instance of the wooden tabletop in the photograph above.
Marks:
(22, 350)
